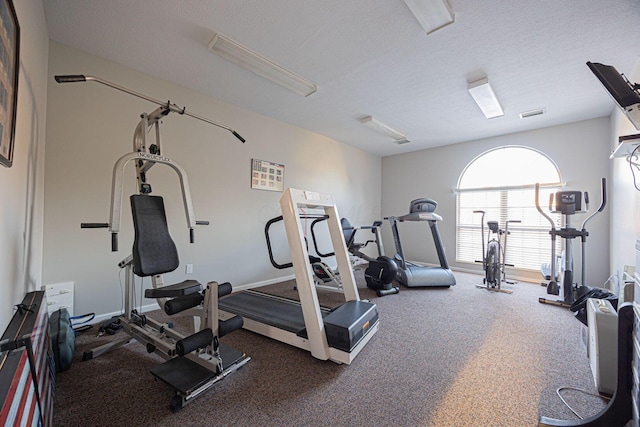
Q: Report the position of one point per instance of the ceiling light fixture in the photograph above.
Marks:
(431, 14)
(258, 64)
(385, 129)
(485, 97)
(532, 113)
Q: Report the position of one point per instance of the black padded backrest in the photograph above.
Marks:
(348, 232)
(154, 252)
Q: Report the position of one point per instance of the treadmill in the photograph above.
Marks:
(414, 275)
(338, 334)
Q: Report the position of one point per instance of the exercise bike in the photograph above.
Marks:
(494, 259)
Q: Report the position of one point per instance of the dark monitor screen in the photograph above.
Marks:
(618, 87)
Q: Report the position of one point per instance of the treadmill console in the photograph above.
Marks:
(422, 205)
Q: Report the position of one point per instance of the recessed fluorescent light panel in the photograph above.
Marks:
(431, 14)
(485, 97)
(532, 113)
(385, 129)
(258, 64)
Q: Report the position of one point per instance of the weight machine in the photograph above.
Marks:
(192, 363)
(494, 259)
(568, 203)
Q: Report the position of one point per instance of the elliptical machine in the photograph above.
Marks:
(382, 270)
(568, 203)
(494, 259)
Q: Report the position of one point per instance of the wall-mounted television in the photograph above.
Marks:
(624, 93)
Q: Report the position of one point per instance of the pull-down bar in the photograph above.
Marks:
(145, 156)
(167, 105)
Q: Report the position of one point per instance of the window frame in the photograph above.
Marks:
(529, 244)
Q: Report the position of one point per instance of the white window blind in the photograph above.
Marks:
(501, 182)
(528, 243)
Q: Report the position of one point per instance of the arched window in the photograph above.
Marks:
(501, 182)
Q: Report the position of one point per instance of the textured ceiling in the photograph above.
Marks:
(372, 58)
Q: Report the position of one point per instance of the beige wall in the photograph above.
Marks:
(581, 151)
(90, 126)
(625, 198)
(21, 209)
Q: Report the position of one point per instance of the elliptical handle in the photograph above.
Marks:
(604, 195)
(552, 281)
(603, 203)
(537, 191)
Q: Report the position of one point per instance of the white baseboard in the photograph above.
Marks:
(263, 283)
(106, 316)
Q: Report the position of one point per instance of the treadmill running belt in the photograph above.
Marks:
(264, 308)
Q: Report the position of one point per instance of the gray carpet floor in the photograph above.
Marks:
(461, 356)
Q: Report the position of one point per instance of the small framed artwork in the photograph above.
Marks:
(267, 175)
(9, 67)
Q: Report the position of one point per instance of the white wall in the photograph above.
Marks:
(581, 151)
(21, 209)
(625, 200)
(90, 126)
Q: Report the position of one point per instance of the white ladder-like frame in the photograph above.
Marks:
(291, 202)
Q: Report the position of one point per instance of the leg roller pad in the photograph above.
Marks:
(176, 305)
(227, 326)
(224, 289)
(194, 342)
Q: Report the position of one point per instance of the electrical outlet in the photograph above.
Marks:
(189, 268)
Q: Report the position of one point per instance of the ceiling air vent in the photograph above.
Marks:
(402, 141)
(532, 113)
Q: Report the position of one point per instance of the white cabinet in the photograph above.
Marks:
(59, 295)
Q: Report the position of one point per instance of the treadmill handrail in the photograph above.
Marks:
(420, 216)
(313, 235)
(318, 218)
(266, 235)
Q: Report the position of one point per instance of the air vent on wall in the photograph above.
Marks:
(532, 113)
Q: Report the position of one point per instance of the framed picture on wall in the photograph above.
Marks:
(9, 67)
(267, 175)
